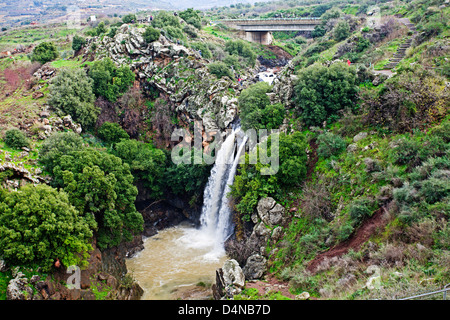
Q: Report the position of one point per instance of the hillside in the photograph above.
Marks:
(92, 119)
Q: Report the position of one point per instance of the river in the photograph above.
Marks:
(176, 258)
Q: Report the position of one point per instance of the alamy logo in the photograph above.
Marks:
(74, 281)
(262, 147)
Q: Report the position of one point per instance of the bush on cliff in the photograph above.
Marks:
(15, 138)
(250, 184)
(321, 92)
(44, 52)
(38, 226)
(71, 93)
(110, 81)
(100, 186)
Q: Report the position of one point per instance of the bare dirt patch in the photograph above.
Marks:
(362, 235)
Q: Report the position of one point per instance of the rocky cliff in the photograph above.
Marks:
(179, 74)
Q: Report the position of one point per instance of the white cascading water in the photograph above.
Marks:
(216, 218)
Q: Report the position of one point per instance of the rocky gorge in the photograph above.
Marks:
(180, 76)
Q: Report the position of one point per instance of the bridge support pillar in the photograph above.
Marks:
(262, 37)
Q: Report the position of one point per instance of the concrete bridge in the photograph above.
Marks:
(260, 30)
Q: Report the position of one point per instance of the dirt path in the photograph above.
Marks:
(271, 284)
(362, 235)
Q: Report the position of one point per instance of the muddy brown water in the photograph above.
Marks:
(174, 260)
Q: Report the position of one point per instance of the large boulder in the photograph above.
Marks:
(18, 288)
(270, 212)
(255, 267)
(233, 274)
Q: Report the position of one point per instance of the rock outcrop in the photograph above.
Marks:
(106, 273)
(177, 73)
(283, 86)
(230, 280)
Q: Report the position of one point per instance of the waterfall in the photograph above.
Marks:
(216, 216)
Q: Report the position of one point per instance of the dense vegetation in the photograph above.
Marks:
(354, 144)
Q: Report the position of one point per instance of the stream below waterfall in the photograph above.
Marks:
(176, 258)
(184, 256)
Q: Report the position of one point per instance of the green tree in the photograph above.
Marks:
(151, 34)
(174, 33)
(187, 179)
(57, 145)
(322, 91)
(164, 19)
(146, 162)
(38, 226)
(110, 81)
(192, 17)
(220, 69)
(241, 48)
(101, 28)
(16, 139)
(341, 31)
(319, 31)
(112, 132)
(256, 112)
(44, 52)
(101, 187)
(71, 93)
(78, 42)
(250, 185)
(129, 18)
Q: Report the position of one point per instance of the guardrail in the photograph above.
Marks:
(443, 291)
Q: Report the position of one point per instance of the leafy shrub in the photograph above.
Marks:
(250, 185)
(241, 48)
(16, 139)
(101, 29)
(78, 42)
(112, 32)
(44, 52)
(110, 81)
(406, 102)
(412, 151)
(321, 92)
(174, 33)
(206, 53)
(38, 226)
(344, 232)
(164, 19)
(435, 189)
(57, 145)
(360, 210)
(129, 18)
(330, 144)
(251, 101)
(190, 31)
(146, 163)
(341, 31)
(112, 132)
(187, 179)
(100, 186)
(71, 93)
(192, 17)
(318, 48)
(151, 34)
(319, 31)
(220, 69)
